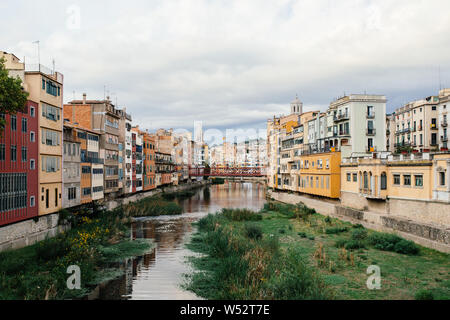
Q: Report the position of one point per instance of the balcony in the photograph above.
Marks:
(433, 126)
(344, 133)
(371, 149)
(444, 123)
(370, 115)
(341, 117)
(371, 132)
(92, 160)
(444, 138)
(388, 132)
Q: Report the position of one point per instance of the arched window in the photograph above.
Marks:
(366, 181)
(383, 181)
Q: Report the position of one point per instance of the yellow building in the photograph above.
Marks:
(318, 174)
(414, 186)
(46, 88)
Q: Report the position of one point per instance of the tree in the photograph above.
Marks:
(12, 96)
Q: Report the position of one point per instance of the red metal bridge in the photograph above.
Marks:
(227, 172)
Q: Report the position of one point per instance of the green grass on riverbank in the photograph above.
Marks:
(95, 241)
(152, 207)
(290, 249)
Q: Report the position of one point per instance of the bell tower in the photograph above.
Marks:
(296, 106)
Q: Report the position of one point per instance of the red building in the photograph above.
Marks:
(19, 166)
(133, 162)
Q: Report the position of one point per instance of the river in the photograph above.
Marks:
(159, 274)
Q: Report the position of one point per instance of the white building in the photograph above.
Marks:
(444, 106)
(359, 124)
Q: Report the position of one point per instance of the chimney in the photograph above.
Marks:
(84, 98)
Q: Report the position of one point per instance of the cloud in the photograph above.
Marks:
(235, 63)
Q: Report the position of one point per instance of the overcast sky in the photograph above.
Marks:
(233, 64)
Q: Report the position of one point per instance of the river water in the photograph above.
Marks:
(159, 274)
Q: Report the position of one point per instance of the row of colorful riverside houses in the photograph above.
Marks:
(55, 156)
(396, 164)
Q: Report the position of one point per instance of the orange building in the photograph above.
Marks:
(149, 174)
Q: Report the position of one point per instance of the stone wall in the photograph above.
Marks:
(426, 233)
(29, 232)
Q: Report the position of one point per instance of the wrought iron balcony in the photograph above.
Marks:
(371, 132)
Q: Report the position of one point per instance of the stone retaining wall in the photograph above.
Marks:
(26, 233)
(432, 235)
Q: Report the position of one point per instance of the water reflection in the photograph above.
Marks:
(159, 274)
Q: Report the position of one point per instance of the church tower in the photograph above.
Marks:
(296, 106)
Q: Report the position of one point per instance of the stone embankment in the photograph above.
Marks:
(430, 235)
(26, 233)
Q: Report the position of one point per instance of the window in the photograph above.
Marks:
(355, 177)
(407, 180)
(32, 202)
(13, 123)
(2, 152)
(50, 112)
(32, 164)
(24, 154)
(349, 177)
(397, 179)
(56, 197)
(47, 198)
(366, 181)
(72, 193)
(32, 112)
(24, 125)
(13, 191)
(86, 170)
(86, 191)
(13, 153)
(32, 136)
(50, 138)
(442, 178)
(50, 164)
(383, 181)
(418, 180)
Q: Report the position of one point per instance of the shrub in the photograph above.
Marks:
(241, 215)
(359, 234)
(354, 244)
(312, 238)
(406, 247)
(424, 295)
(253, 231)
(336, 230)
(328, 220)
(391, 242)
(282, 231)
(340, 243)
(358, 226)
(302, 234)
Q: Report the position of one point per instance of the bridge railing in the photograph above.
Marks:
(227, 172)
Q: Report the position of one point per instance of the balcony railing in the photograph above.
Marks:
(444, 138)
(92, 160)
(371, 132)
(434, 126)
(444, 123)
(341, 117)
(370, 115)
